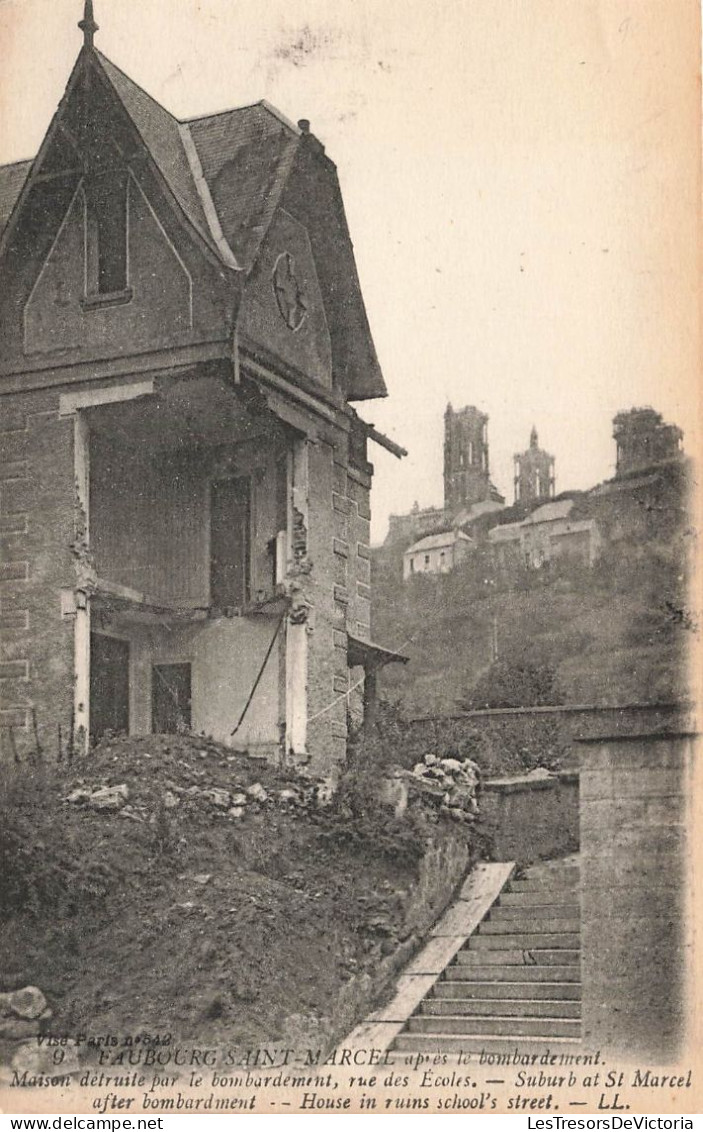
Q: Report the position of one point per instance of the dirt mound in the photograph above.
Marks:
(203, 894)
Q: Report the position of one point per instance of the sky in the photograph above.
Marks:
(521, 181)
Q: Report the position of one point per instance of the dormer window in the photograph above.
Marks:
(106, 266)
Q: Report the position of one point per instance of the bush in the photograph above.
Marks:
(521, 682)
(362, 814)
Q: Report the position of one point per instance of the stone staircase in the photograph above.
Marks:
(517, 980)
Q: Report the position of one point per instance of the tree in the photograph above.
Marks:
(523, 682)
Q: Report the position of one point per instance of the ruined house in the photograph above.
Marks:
(184, 481)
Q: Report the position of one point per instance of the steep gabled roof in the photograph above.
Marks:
(160, 133)
(228, 173)
(227, 170)
(548, 512)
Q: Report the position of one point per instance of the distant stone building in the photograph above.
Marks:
(548, 534)
(643, 439)
(466, 468)
(468, 491)
(416, 523)
(534, 473)
(436, 554)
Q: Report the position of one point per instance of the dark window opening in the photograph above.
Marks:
(230, 518)
(170, 698)
(109, 685)
(106, 253)
(112, 244)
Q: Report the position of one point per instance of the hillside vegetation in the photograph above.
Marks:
(615, 633)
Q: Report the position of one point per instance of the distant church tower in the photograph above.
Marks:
(466, 472)
(534, 473)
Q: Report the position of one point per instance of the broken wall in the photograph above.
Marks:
(37, 528)
(150, 516)
(339, 590)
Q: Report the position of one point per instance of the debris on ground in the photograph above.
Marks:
(454, 781)
(160, 875)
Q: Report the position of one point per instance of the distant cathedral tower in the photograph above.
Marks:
(534, 473)
(466, 473)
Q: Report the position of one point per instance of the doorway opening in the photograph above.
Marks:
(170, 698)
(109, 685)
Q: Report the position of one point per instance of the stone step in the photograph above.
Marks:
(498, 1024)
(540, 895)
(529, 941)
(560, 957)
(551, 887)
(503, 1007)
(510, 1045)
(549, 869)
(533, 909)
(510, 972)
(486, 988)
(526, 923)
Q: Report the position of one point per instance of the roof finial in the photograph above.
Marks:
(533, 437)
(88, 25)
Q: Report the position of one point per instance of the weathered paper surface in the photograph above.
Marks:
(522, 184)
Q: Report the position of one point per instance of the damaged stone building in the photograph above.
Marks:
(184, 480)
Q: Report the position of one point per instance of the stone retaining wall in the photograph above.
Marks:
(442, 868)
(511, 740)
(636, 889)
(529, 818)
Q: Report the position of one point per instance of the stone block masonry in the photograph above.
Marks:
(37, 517)
(339, 542)
(329, 509)
(636, 798)
(359, 488)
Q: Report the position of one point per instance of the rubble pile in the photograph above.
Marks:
(172, 774)
(453, 782)
(173, 878)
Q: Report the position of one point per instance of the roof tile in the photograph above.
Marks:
(246, 156)
(12, 179)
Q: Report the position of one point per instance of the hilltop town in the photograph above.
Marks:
(590, 583)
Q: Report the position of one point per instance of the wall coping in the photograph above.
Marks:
(652, 736)
(555, 709)
(522, 783)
